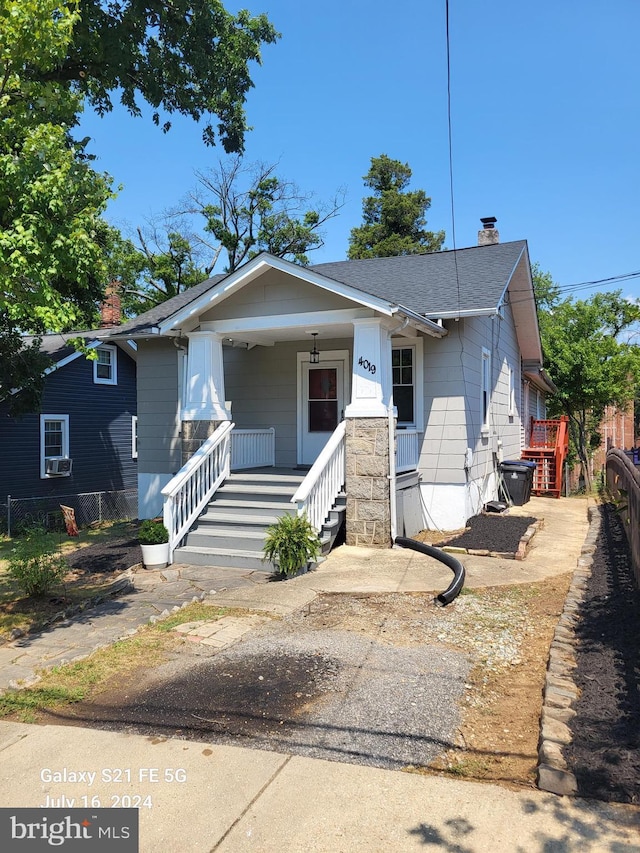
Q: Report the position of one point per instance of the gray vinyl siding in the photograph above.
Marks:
(159, 449)
(276, 293)
(452, 389)
(100, 434)
(261, 384)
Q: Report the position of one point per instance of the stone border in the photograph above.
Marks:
(122, 585)
(519, 554)
(560, 691)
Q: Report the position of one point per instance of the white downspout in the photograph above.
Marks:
(393, 508)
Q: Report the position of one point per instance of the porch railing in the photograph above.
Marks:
(188, 493)
(253, 448)
(318, 491)
(407, 450)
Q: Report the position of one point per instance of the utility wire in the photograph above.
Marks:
(450, 137)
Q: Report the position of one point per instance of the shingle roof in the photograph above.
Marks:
(57, 346)
(160, 312)
(436, 283)
(471, 279)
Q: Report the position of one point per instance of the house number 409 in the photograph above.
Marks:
(366, 364)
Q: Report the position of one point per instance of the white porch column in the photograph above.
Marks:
(371, 387)
(367, 447)
(204, 387)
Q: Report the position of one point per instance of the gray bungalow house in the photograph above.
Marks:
(393, 386)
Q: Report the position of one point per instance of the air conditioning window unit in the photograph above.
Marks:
(59, 467)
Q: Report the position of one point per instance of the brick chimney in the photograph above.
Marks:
(110, 310)
(489, 233)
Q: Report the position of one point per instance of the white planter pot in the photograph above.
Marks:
(155, 556)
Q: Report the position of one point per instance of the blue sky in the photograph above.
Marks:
(545, 122)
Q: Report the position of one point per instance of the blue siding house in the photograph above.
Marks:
(83, 440)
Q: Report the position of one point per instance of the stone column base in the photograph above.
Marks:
(194, 435)
(368, 518)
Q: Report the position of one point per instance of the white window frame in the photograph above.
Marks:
(134, 436)
(64, 420)
(418, 381)
(113, 352)
(485, 391)
(512, 392)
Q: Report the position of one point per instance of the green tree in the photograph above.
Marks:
(52, 237)
(589, 361)
(248, 209)
(394, 217)
(188, 57)
(160, 264)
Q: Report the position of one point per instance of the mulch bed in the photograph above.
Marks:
(604, 755)
(498, 533)
(106, 557)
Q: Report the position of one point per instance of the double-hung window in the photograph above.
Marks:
(404, 385)
(485, 389)
(54, 440)
(105, 367)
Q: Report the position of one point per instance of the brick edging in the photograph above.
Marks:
(560, 691)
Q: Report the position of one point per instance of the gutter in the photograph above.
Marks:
(418, 321)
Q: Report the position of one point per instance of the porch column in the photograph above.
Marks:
(204, 404)
(368, 520)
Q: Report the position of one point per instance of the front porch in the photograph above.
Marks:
(218, 508)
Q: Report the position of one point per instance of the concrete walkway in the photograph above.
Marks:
(233, 799)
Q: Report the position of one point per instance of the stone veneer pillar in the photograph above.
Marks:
(368, 520)
(194, 435)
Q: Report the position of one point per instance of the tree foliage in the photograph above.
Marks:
(394, 217)
(248, 209)
(189, 57)
(159, 264)
(52, 237)
(589, 360)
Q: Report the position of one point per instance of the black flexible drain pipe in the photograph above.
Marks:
(454, 589)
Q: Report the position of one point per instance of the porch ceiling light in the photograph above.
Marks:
(314, 355)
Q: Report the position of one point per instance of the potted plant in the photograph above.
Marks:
(154, 543)
(291, 544)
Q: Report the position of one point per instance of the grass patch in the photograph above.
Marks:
(64, 685)
(32, 612)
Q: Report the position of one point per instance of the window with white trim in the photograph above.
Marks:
(105, 368)
(54, 440)
(134, 436)
(404, 386)
(485, 389)
(512, 393)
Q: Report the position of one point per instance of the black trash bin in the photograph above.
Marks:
(518, 479)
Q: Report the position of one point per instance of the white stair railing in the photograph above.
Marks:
(188, 493)
(318, 491)
(407, 450)
(253, 448)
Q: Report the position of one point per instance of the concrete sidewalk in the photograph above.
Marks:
(203, 797)
(234, 799)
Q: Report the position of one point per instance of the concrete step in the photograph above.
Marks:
(257, 492)
(229, 509)
(266, 478)
(222, 557)
(239, 538)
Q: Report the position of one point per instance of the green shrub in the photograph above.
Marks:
(36, 563)
(291, 543)
(153, 532)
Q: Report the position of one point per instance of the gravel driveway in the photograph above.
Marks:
(330, 694)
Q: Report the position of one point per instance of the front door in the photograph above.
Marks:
(322, 406)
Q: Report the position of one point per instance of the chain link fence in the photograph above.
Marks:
(90, 507)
